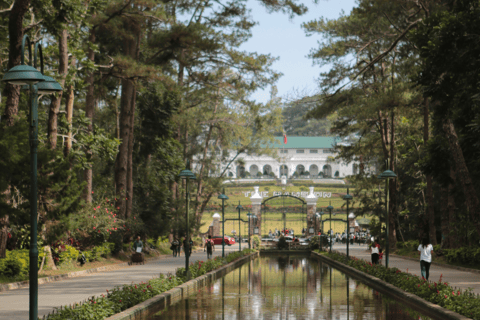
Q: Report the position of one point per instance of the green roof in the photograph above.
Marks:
(306, 142)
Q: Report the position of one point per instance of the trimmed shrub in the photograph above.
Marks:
(282, 243)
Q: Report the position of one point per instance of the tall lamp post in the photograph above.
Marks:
(330, 208)
(250, 216)
(223, 197)
(239, 208)
(187, 175)
(387, 175)
(37, 83)
(347, 198)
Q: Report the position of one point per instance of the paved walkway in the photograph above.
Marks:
(456, 278)
(14, 303)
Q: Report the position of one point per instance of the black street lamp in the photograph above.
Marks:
(347, 198)
(330, 208)
(37, 83)
(239, 208)
(387, 175)
(223, 197)
(187, 175)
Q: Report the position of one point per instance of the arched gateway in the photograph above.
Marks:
(284, 210)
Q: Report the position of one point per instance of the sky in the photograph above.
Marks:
(281, 37)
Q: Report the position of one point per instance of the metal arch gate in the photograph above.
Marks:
(284, 211)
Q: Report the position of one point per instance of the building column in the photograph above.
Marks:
(311, 200)
(257, 200)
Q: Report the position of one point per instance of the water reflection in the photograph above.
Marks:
(287, 288)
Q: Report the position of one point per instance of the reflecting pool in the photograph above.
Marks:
(287, 287)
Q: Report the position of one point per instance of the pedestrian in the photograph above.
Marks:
(425, 250)
(209, 246)
(190, 246)
(375, 250)
(138, 245)
(176, 247)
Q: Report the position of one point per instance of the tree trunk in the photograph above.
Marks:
(55, 103)
(393, 189)
(90, 112)
(471, 199)
(15, 35)
(4, 223)
(445, 223)
(69, 108)
(121, 162)
(429, 210)
(454, 240)
(128, 213)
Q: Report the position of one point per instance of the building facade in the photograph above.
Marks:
(311, 157)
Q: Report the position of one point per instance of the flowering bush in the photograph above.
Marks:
(465, 303)
(119, 299)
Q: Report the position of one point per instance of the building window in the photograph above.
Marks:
(300, 151)
(313, 151)
(283, 151)
(327, 151)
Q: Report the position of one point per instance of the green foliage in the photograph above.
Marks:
(465, 256)
(16, 264)
(441, 293)
(69, 255)
(282, 243)
(256, 241)
(314, 243)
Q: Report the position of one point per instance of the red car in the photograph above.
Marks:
(228, 240)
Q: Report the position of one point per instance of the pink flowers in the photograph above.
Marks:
(94, 228)
(94, 209)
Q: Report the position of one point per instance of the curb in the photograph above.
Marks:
(155, 304)
(410, 299)
(75, 274)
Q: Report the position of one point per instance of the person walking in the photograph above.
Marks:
(425, 250)
(209, 247)
(375, 250)
(175, 247)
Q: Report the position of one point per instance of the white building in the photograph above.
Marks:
(301, 156)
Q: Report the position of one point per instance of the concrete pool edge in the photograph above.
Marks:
(153, 305)
(410, 299)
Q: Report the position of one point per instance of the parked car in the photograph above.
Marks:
(268, 239)
(288, 238)
(228, 240)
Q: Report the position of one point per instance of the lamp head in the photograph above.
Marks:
(23, 74)
(330, 208)
(347, 197)
(387, 174)
(186, 174)
(223, 196)
(48, 86)
(239, 207)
